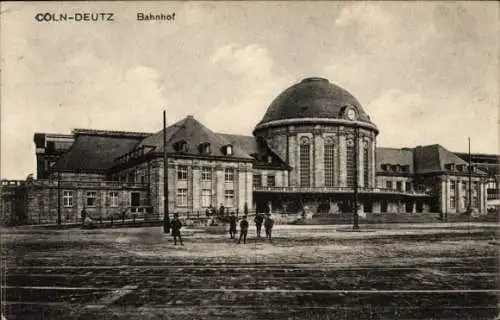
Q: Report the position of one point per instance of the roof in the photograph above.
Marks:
(193, 133)
(394, 156)
(246, 143)
(313, 98)
(433, 158)
(259, 153)
(94, 152)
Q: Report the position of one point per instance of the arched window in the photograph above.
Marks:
(305, 162)
(329, 152)
(350, 162)
(365, 164)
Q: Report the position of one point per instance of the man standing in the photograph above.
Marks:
(221, 210)
(83, 215)
(243, 229)
(268, 224)
(258, 223)
(232, 225)
(176, 229)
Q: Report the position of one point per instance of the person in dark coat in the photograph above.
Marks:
(243, 229)
(268, 224)
(232, 225)
(83, 215)
(259, 219)
(176, 229)
(221, 210)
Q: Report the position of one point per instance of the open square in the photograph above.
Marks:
(424, 271)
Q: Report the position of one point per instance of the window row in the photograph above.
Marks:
(205, 198)
(131, 177)
(90, 200)
(257, 180)
(475, 193)
(204, 148)
(399, 185)
(395, 167)
(206, 173)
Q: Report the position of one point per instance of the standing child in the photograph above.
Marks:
(232, 225)
(268, 224)
(176, 229)
(243, 229)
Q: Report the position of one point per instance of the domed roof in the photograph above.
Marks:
(313, 98)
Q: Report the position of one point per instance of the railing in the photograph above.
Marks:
(337, 190)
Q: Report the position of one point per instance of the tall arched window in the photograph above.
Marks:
(329, 149)
(350, 162)
(305, 162)
(365, 164)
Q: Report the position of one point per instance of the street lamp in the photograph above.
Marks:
(355, 202)
(166, 219)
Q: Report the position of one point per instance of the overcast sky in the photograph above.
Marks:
(425, 72)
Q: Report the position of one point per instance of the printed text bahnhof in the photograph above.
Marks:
(141, 16)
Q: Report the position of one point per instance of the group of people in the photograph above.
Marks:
(259, 220)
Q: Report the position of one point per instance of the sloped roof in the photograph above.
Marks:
(194, 133)
(246, 143)
(95, 152)
(394, 156)
(433, 158)
(259, 152)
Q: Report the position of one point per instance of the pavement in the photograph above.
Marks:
(421, 271)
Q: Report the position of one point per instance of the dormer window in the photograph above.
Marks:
(460, 167)
(449, 166)
(181, 146)
(384, 167)
(205, 148)
(227, 150)
(394, 167)
(405, 168)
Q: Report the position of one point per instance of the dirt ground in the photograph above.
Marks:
(434, 271)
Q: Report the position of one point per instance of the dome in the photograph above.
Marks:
(313, 98)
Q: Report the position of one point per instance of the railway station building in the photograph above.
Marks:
(313, 149)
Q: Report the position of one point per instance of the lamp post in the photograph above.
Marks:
(58, 198)
(355, 202)
(166, 219)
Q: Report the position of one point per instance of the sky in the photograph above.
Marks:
(425, 72)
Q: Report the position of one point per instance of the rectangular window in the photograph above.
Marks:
(257, 180)
(366, 178)
(350, 164)
(135, 199)
(206, 198)
(271, 181)
(229, 174)
(329, 165)
(452, 202)
(475, 195)
(305, 165)
(91, 199)
(182, 173)
(399, 185)
(68, 199)
(388, 184)
(229, 198)
(181, 198)
(206, 174)
(408, 186)
(131, 177)
(113, 199)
